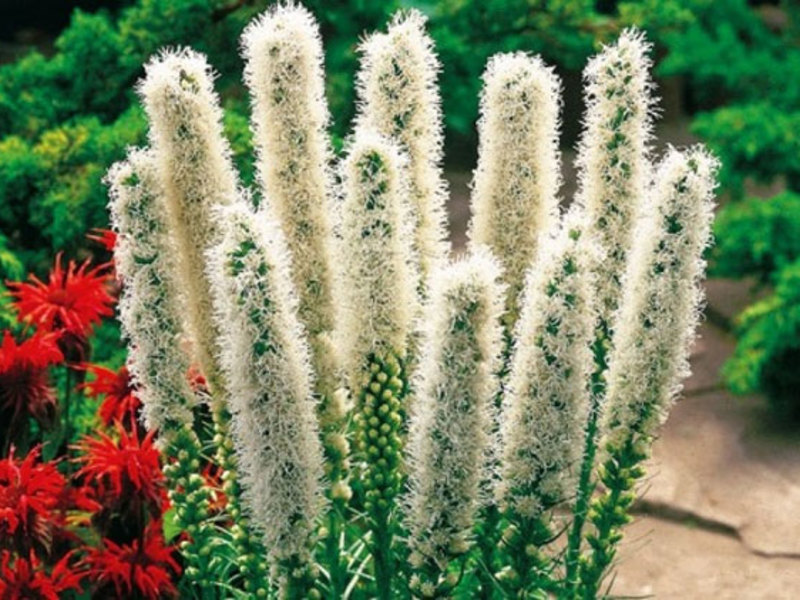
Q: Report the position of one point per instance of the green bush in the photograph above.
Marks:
(768, 351)
(757, 237)
(64, 119)
(564, 32)
(737, 69)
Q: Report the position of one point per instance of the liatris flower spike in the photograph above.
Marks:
(451, 429)
(514, 194)
(398, 98)
(267, 362)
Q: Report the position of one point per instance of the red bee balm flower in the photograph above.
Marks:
(143, 567)
(120, 404)
(105, 237)
(25, 389)
(124, 468)
(27, 580)
(73, 299)
(30, 502)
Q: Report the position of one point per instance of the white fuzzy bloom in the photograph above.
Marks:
(613, 166)
(149, 309)
(284, 71)
(451, 427)
(399, 98)
(547, 399)
(194, 163)
(266, 361)
(661, 307)
(515, 186)
(378, 280)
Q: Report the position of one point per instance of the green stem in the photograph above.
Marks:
(531, 568)
(585, 490)
(586, 486)
(609, 512)
(191, 498)
(378, 428)
(382, 554)
(250, 553)
(300, 579)
(488, 538)
(336, 566)
(67, 422)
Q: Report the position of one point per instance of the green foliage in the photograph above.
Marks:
(768, 351)
(728, 54)
(64, 119)
(757, 237)
(753, 140)
(564, 32)
(51, 191)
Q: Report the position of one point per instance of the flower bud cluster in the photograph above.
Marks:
(190, 495)
(378, 424)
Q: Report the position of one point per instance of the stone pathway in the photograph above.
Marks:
(720, 516)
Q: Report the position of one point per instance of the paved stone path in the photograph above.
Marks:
(720, 517)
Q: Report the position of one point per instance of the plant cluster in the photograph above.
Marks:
(388, 421)
(80, 514)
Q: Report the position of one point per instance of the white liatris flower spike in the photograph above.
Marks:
(660, 311)
(284, 71)
(451, 425)
(548, 394)
(515, 187)
(378, 279)
(149, 308)
(399, 98)
(194, 163)
(266, 362)
(613, 165)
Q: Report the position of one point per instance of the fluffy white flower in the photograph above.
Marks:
(284, 71)
(613, 165)
(399, 99)
(266, 362)
(150, 307)
(659, 313)
(195, 168)
(515, 187)
(378, 287)
(451, 428)
(548, 393)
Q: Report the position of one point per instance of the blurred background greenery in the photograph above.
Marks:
(726, 68)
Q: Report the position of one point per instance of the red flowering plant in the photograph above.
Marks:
(71, 302)
(26, 390)
(120, 402)
(80, 526)
(24, 578)
(144, 568)
(127, 477)
(32, 507)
